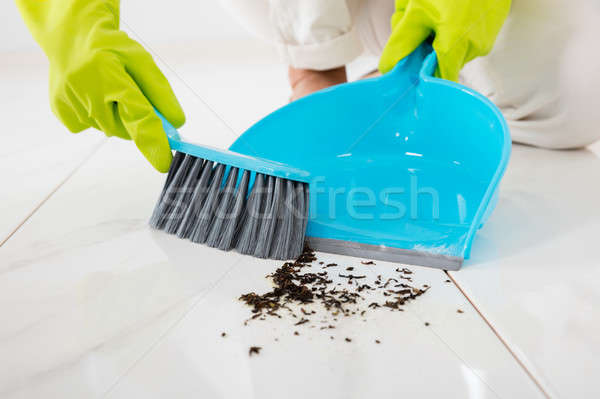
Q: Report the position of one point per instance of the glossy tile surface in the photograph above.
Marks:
(85, 288)
(37, 154)
(93, 303)
(536, 268)
(456, 354)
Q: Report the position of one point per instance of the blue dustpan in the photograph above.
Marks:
(404, 167)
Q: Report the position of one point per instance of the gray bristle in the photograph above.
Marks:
(267, 219)
(285, 226)
(156, 215)
(173, 186)
(222, 212)
(210, 203)
(250, 222)
(229, 229)
(207, 211)
(182, 197)
(190, 216)
(300, 213)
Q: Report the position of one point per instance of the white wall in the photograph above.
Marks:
(154, 21)
(13, 33)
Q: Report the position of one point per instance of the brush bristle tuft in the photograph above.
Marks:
(228, 208)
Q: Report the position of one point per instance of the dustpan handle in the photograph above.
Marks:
(418, 65)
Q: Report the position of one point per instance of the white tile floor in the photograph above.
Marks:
(536, 269)
(37, 154)
(94, 304)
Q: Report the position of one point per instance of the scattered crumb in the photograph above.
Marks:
(459, 311)
(404, 270)
(297, 291)
(254, 350)
(223, 334)
(448, 281)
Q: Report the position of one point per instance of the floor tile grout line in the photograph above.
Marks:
(52, 192)
(431, 330)
(440, 339)
(504, 342)
(168, 330)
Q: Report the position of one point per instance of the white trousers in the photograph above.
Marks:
(543, 73)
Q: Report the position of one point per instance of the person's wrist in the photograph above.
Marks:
(297, 75)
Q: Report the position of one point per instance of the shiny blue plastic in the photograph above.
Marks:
(404, 161)
(231, 158)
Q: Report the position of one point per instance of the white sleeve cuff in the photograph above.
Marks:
(331, 54)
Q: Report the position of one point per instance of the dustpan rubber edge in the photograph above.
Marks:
(383, 253)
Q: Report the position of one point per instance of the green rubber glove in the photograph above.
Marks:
(463, 30)
(101, 78)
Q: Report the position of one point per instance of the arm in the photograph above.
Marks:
(101, 78)
(462, 29)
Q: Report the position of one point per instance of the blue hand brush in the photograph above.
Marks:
(229, 200)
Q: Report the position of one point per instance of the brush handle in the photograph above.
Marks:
(171, 132)
(231, 158)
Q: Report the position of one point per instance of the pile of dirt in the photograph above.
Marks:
(305, 284)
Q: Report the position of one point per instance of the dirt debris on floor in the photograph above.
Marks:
(297, 287)
(254, 350)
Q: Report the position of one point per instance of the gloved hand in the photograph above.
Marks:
(463, 29)
(101, 78)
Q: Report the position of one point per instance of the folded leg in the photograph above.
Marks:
(544, 73)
